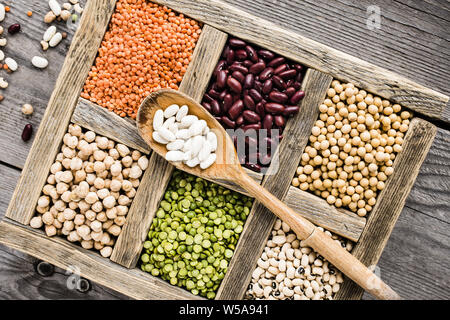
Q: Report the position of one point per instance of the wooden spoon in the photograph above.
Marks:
(227, 168)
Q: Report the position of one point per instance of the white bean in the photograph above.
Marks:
(196, 128)
(168, 122)
(175, 145)
(158, 119)
(192, 162)
(55, 40)
(208, 162)
(171, 110)
(187, 121)
(197, 144)
(212, 139)
(205, 151)
(166, 134)
(174, 156)
(39, 62)
(11, 63)
(2, 12)
(183, 134)
(55, 7)
(182, 112)
(157, 137)
(49, 33)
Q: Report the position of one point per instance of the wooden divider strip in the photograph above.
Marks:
(47, 142)
(391, 200)
(260, 221)
(319, 212)
(106, 123)
(343, 66)
(63, 254)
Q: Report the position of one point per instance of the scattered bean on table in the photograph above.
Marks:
(147, 47)
(89, 190)
(194, 234)
(288, 269)
(253, 88)
(352, 148)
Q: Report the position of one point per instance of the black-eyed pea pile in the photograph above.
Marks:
(352, 148)
(89, 190)
(288, 269)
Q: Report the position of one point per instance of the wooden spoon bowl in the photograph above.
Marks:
(227, 168)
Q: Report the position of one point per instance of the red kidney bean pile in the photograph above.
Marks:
(254, 88)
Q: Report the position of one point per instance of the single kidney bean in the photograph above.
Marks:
(27, 132)
(251, 116)
(260, 109)
(227, 102)
(266, 54)
(297, 85)
(258, 86)
(240, 121)
(227, 122)
(249, 103)
(280, 121)
(238, 76)
(14, 28)
(255, 95)
(299, 77)
(236, 109)
(295, 99)
(215, 108)
(257, 68)
(252, 54)
(266, 74)
(274, 108)
(207, 106)
(230, 56)
(279, 83)
(255, 126)
(290, 91)
(267, 86)
(240, 54)
(247, 63)
(279, 97)
(207, 97)
(238, 67)
(298, 67)
(249, 81)
(281, 68)
(234, 84)
(221, 80)
(290, 110)
(220, 66)
(225, 52)
(276, 62)
(268, 122)
(288, 74)
(214, 94)
(237, 43)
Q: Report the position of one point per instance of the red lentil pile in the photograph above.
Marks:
(147, 47)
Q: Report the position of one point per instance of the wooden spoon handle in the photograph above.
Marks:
(320, 242)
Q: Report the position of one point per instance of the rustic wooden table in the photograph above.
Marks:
(412, 40)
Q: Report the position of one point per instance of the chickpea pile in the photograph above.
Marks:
(89, 190)
(147, 47)
(352, 148)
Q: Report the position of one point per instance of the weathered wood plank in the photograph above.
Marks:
(206, 55)
(391, 200)
(260, 221)
(28, 84)
(416, 259)
(318, 211)
(59, 110)
(132, 282)
(316, 55)
(153, 185)
(106, 123)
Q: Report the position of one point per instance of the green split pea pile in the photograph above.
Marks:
(194, 233)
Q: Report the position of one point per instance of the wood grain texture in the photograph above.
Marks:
(314, 54)
(391, 200)
(260, 220)
(206, 55)
(151, 190)
(415, 260)
(134, 283)
(28, 84)
(318, 211)
(59, 110)
(106, 123)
